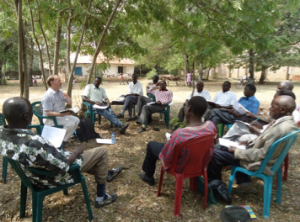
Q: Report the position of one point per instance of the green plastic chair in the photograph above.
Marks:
(92, 113)
(221, 128)
(38, 194)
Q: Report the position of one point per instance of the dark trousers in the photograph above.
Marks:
(128, 104)
(222, 158)
(153, 151)
(219, 116)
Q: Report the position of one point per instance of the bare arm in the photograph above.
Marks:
(51, 113)
(85, 99)
(69, 100)
(77, 151)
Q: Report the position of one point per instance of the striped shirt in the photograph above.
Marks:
(180, 136)
(149, 85)
(251, 103)
(164, 96)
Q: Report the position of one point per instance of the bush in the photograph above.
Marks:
(152, 73)
(4, 81)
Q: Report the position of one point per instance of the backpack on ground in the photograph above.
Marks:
(86, 130)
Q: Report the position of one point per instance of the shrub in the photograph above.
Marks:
(152, 73)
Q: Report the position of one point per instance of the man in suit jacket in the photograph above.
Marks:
(281, 110)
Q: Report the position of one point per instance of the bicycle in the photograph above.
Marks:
(243, 82)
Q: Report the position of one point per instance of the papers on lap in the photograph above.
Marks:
(72, 110)
(54, 135)
(104, 141)
(238, 107)
(248, 124)
(99, 107)
(228, 143)
(168, 136)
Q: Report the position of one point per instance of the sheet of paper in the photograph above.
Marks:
(104, 141)
(238, 107)
(151, 103)
(99, 107)
(168, 136)
(248, 124)
(54, 135)
(228, 143)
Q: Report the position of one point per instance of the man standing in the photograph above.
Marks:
(251, 158)
(32, 150)
(199, 92)
(53, 101)
(135, 89)
(248, 101)
(162, 97)
(94, 94)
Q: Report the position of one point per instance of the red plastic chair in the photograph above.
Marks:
(196, 166)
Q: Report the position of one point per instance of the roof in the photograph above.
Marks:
(100, 59)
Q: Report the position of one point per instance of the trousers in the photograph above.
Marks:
(128, 104)
(239, 132)
(220, 159)
(219, 116)
(152, 155)
(109, 115)
(95, 162)
(69, 123)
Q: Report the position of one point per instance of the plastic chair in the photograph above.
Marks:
(276, 168)
(221, 128)
(92, 113)
(196, 166)
(38, 194)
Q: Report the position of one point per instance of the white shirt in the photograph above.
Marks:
(135, 88)
(225, 98)
(95, 94)
(205, 94)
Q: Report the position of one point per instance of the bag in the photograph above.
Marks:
(200, 186)
(86, 130)
(220, 190)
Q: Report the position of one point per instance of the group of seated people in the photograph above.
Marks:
(202, 118)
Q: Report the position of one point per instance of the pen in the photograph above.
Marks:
(256, 120)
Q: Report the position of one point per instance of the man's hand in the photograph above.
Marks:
(232, 149)
(78, 150)
(250, 114)
(98, 103)
(243, 143)
(256, 124)
(66, 114)
(218, 106)
(108, 104)
(158, 103)
(254, 129)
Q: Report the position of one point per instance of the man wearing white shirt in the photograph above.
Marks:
(135, 89)
(199, 92)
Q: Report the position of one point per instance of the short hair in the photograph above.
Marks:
(15, 108)
(286, 92)
(164, 81)
(134, 74)
(201, 82)
(98, 77)
(155, 76)
(251, 87)
(227, 82)
(198, 105)
(50, 79)
(288, 83)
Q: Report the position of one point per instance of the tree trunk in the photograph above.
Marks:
(18, 4)
(25, 67)
(193, 79)
(263, 75)
(251, 63)
(101, 40)
(47, 47)
(200, 71)
(39, 48)
(287, 76)
(83, 28)
(30, 82)
(57, 41)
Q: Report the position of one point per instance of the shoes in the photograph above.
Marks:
(123, 128)
(120, 115)
(244, 189)
(116, 171)
(138, 122)
(142, 130)
(130, 119)
(149, 181)
(107, 201)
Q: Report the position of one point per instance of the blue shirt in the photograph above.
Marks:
(251, 103)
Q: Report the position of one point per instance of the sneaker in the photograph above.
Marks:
(116, 171)
(120, 115)
(130, 119)
(107, 201)
(149, 181)
(123, 128)
(142, 130)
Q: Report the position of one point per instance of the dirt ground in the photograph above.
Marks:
(138, 201)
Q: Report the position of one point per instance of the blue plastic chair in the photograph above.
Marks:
(38, 194)
(221, 128)
(276, 168)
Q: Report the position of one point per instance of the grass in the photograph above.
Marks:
(137, 201)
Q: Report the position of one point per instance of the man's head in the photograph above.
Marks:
(285, 93)
(18, 112)
(195, 108)
(200, 86)
(226, 86)
(163, 85)
(97, 82)
(134, 78)
(249, 90)
(285, 85)
(282, 106)
(155, 79)
(54, 82)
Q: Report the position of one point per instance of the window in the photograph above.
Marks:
(120, 69)
(78, 71)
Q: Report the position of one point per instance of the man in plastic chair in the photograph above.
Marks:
(94, 94)
(162, 97)
(31, 150)
(53, 101)
(281, 110)
(194, 110)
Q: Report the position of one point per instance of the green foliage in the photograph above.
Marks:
(4, 81)
(175, 122)
(152, 73)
